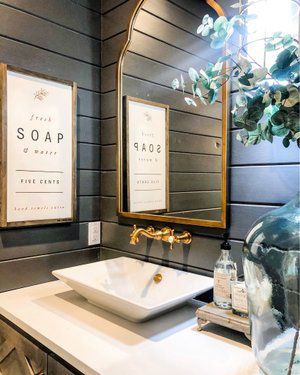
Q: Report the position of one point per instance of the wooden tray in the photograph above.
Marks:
(212, 314)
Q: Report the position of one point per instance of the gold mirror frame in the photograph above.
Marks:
(225, 120)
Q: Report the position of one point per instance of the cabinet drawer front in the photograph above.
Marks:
(18, 355)
(55, 368)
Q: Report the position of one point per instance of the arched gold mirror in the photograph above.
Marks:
(172, 157)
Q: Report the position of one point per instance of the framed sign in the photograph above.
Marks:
(147, 134)
(38, 148)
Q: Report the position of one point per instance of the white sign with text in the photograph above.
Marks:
(147, 166)
(39, 148)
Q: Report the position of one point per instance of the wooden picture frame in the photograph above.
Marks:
(59, 143)
(159, 182)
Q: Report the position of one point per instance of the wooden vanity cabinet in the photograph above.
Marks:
(18, 355)
(56, 368)
(21, 356)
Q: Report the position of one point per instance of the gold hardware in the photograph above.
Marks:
(157, 278)
(166, 234)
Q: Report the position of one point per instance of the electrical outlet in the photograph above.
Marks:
(94, 233)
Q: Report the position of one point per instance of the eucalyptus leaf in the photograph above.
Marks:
(210, 22)
(217, 42)
(218, 67)
(209, 69)
(278, 96)
(249, 80)
(190, 101)
(193, 74)
(241, 100)
(244, 80)
(245, 122)
(212, 96)
(250, 124)
(220, 22)
(213, 85)
(279, 118)
(239, 137)
(280, 131)
(293, 98)
(267, 100)
(293, 121)
(244, 65)
(286, 57)
(205, 19)
(254, 140)
(287, 40)
(199, 94)
(268, 136)
(194, 88)
(204, 75)
(236, 19)
(200, 28)
(286, 142)
(271, 47)
(259, 74)
(182, 83)
(289, 73)
(175, 84)
(206, 30)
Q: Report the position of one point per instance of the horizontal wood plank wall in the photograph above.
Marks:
(61, 38)
(261, 177)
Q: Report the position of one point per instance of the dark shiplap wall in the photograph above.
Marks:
(262, 177)
(60, 38)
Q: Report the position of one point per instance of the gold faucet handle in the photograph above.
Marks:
(185, 238)
(133, 239)
(172, 239)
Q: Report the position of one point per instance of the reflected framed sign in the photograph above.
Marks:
(147, 144)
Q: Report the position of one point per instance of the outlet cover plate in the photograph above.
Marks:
(94, 236)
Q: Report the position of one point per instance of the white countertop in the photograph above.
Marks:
(97, 342)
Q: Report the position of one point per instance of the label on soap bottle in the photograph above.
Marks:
(239, 298)
(222, 285)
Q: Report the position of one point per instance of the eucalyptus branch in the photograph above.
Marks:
(251, 77)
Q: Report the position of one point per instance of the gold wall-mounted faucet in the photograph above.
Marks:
(165, 234)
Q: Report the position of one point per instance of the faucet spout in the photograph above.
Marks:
(137, 232)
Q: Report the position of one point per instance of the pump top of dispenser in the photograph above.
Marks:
(225, 245)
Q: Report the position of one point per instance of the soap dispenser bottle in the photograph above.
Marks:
(225, 272)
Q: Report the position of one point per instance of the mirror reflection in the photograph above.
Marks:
(172, 154)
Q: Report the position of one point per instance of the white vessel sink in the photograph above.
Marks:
(125, 286)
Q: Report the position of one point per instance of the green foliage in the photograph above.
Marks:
(287, 64)
(190, 101)
(267, 104)
(175, 84)
(278, 41)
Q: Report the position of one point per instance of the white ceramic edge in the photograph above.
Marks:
(149, 308)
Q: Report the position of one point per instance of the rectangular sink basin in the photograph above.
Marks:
(126, 286)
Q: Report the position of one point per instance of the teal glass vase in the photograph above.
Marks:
(271, 259)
